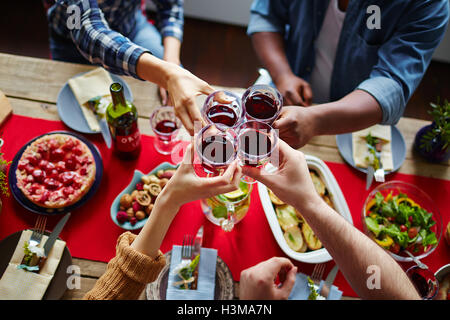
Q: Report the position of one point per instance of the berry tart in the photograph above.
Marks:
(56, 171)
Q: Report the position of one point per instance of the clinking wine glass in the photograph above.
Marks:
(258, 143)
(165, 125)
(262, 103)
(223, 107)
(215, 149)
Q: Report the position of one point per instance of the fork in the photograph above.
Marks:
(318, 271)
(38, 231)
(186, 250)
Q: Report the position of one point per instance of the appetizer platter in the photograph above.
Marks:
(55, 173)
(401, 218)
(294, 236)
(353, 149)
(134, 204)
(82, 118)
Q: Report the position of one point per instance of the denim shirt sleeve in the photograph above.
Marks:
(170, 18)
(263, 17)
(403, 60)
(101, 45)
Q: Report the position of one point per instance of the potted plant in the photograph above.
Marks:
(432, 141)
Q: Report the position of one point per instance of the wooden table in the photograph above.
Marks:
(32, 85)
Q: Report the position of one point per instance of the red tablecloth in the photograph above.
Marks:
(91, 234)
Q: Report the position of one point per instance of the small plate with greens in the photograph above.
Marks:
(398, 216)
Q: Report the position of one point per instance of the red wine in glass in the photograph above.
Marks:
(255, 144)
(222, 114)
(261, 106)
(166, 127)
(217, 151)
(424, 281)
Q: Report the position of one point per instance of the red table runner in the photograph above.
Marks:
(91, 234)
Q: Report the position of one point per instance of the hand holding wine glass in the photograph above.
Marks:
(291, 182)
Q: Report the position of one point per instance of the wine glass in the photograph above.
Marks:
(424, 280)
(223, 107)
(257, 143)
(262, 103)
(215, 149)
(166, 126)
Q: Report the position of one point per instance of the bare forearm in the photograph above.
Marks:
(355, 111)
(269, 47)
(154, 70)
(172, 48)
(152, 234)
(356, 254)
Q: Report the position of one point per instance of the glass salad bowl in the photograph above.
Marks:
(402, 219)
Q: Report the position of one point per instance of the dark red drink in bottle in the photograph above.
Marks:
(122, 121)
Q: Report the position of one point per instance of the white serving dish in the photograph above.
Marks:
(317, 256)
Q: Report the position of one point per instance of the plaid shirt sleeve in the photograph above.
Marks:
(101, 45)
(170, 18)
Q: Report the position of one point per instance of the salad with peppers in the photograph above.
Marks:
(398, 223)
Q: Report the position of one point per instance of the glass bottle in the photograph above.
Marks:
(122, 117)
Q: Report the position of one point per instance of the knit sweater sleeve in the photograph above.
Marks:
(127, 273)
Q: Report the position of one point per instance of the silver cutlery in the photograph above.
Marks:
(38, 231)
(325, 291)
(417, 261)
(187, 248)
(196, 251)
(48, 245)
(317, 273)
(105, 131)
(54, 235)
(101, 118)
(369, 177)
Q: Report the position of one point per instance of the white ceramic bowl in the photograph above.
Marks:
(317, 256)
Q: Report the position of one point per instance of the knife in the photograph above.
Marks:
(197, 247)
(329, 281)
(369, 177)
(105, 131)
(54, 235)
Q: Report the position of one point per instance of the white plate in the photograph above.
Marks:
(317, 256)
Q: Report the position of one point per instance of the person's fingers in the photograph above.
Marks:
(295, 97)
(183, 115)
(282, 123)
(163, 94)
(193, 112)
(224, 181)
(275, 264)
(188, 157)
(206, 89)
(288, 283)
(307, 94)
(237, 176)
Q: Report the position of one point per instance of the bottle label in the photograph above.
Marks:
(128, 143)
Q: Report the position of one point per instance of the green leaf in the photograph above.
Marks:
(373, 226)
